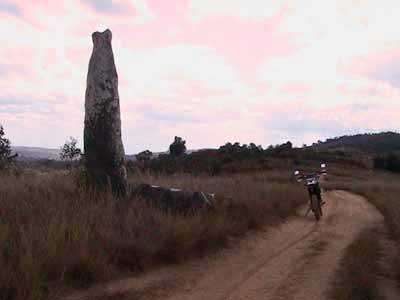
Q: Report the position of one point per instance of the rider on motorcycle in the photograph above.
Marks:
(314, 188)
(311, 181)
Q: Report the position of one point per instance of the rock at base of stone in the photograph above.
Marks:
(175, 201)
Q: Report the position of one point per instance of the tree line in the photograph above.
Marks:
(215, 160)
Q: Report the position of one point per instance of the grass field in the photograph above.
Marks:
(361, 258)
(380, 188)
(53, 234)
(356, 277)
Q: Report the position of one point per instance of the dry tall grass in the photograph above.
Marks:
(55, 234)
(381, 189)
(357, 275)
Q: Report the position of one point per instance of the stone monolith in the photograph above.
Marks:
(104, 151)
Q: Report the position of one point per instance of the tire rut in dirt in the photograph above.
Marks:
(247, 276)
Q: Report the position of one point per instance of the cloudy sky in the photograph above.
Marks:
(211, 71)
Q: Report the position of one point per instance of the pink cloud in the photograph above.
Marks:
(167, 10)
(34, 12)
(199, 78)
(243, 42)
(383, 66)
(9, 8)
(296, 88)
(115, 7)
(197, 90)
(369, 63)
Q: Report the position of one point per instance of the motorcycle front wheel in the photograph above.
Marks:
(315, 207)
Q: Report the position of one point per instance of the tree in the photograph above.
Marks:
(379, 162)
(178, 147)
(253, 147)
(5, 150)
(70, 152)
(390, 162)
(225, 148)
(283, 147)
(144, 156)
(393, 163)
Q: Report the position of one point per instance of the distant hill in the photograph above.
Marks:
(35, 153)
(39, 153)
(157, 154)
(133, 156)
(370, 143)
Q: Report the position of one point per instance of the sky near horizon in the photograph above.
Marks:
(211, 71)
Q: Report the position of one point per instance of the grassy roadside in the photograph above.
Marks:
(383, 191)
(52, 232)
(356, 277)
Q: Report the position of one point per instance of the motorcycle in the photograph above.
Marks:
(311, 181)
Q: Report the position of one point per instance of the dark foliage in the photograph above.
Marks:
(144, 156)
(69, 151)
(5, 150)
(375, 143)
(47, 164)
(390, 162)
(229, 158)
(178, 147)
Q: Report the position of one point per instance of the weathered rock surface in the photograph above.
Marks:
(104, 151)
(175, 200)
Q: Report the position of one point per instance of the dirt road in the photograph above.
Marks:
(296, 260)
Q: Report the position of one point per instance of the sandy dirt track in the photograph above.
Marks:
(296, 260)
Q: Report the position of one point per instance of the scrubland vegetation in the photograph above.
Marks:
(356, 277)
(54, 234)
(358, 273)
(382, 189)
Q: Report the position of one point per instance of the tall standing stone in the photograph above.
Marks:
(104, 151)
